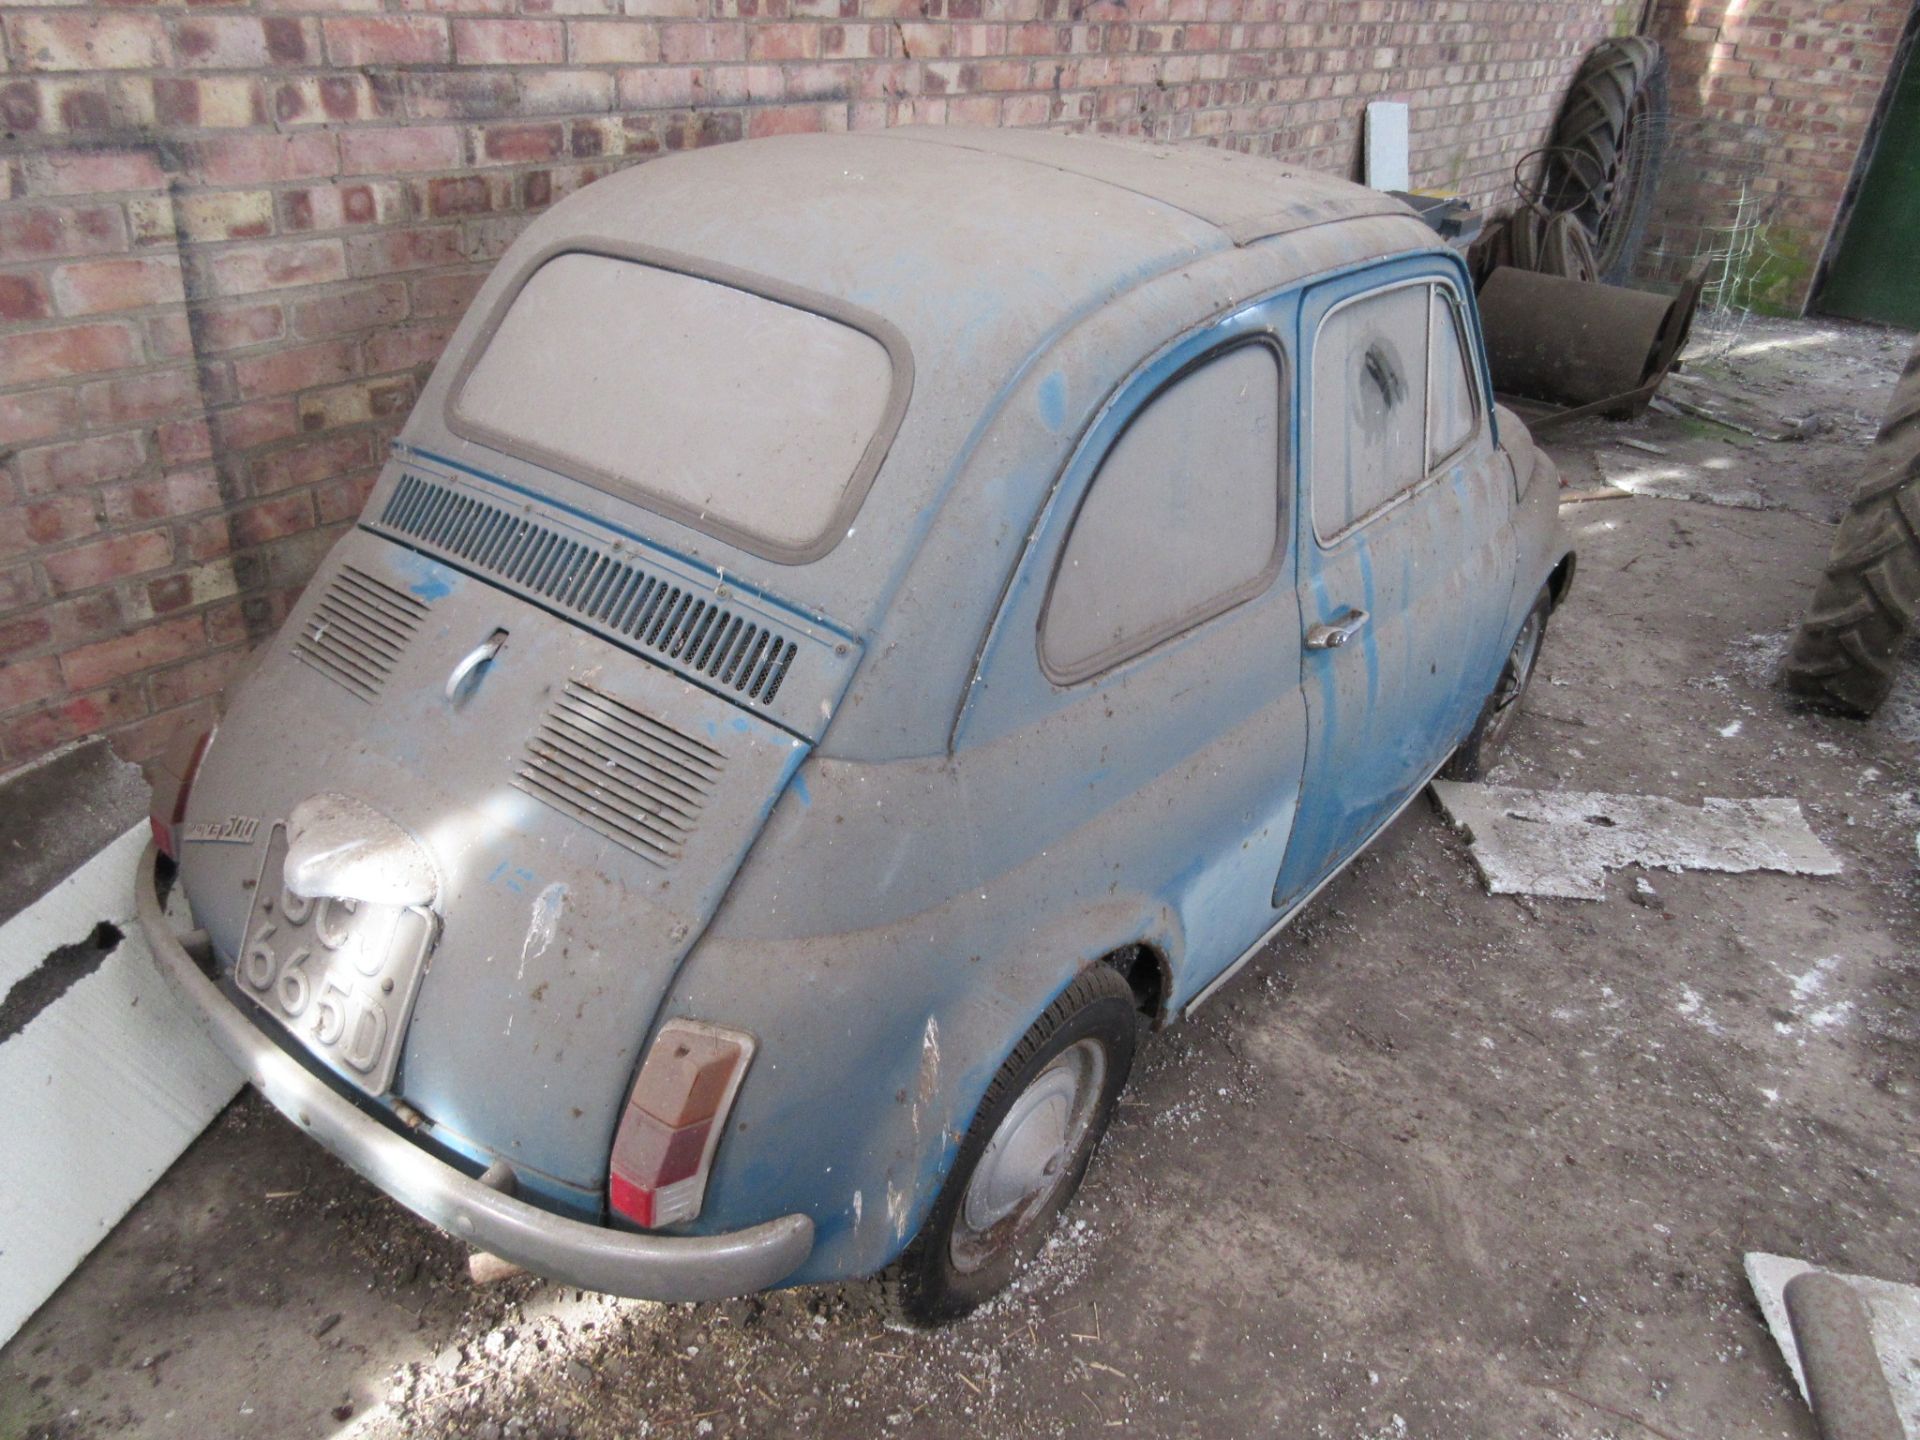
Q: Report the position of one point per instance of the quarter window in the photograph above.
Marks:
(1391, 397)
(1181, 521)
(1450, 418)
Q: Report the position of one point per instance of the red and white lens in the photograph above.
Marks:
(664, 1149)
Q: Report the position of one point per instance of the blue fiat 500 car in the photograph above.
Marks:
(854, 627)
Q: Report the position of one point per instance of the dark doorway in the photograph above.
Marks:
(1873, 276)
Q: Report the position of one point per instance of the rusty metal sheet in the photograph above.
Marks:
(1570, 343)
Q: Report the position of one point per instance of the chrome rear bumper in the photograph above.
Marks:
(574, 1252)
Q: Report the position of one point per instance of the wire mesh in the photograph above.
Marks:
(1713, 210)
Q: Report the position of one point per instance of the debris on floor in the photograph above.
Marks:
(1716, 481)
(1893, 1311)
(1736, 406)
(1562, 842)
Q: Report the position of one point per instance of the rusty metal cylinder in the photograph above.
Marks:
(1845, 1385)
(1568, 342)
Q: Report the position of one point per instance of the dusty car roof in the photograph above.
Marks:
(853, 216)
(1247, 197)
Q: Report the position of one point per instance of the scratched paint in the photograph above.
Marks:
(928, 1088)
(898, 1211)
(543, 924)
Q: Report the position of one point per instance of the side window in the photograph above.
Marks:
(1369, 405)
(1451, 413)
(1393, 396)
(1181, 522)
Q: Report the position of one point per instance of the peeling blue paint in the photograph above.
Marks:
(426, 578)
(1053, 401)
(800, 791)
(1370, 635)
(514, 877)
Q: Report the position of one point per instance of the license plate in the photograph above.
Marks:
(340, 974)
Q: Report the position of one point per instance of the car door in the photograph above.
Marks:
(1407, 551)
(1132, 686)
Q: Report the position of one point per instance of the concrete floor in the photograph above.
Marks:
(1439, 1164)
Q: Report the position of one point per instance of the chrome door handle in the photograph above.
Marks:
(480, 655)
(1335, 633)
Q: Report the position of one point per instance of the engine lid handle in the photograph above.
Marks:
(481, 654)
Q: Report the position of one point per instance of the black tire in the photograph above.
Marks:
(1478, 751)
(939, 1279)
(1604, 157)
(1847, 651)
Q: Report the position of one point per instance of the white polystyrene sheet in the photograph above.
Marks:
(1893, 1311)
(1563, 842)
(1387, 145)
(100, 1091)
(739, 412)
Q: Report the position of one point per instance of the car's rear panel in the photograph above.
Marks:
(586, 796)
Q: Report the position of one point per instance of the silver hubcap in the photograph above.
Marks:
(1030, 1155)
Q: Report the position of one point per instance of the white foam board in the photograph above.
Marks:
(99, 1093)
(1387, 145)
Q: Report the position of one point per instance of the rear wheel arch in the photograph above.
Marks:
(932, 1280)
(1144, 967)
(1148, 974)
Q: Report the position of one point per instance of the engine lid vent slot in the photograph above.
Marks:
(357, 631)
(620, 772)
(735, 653)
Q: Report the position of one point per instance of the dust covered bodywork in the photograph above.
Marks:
(690, 670)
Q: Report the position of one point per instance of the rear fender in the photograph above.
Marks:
(876, 1046)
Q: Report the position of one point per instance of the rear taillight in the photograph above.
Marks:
(664, 1148)
(172, 780)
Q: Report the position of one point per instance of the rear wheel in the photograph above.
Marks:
(1482, 745)
(1024, 1154)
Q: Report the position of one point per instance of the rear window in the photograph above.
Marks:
(756, 421)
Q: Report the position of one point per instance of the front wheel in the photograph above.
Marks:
(1482, 745)
(1025, 1152)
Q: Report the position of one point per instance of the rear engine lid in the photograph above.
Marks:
(582, 805)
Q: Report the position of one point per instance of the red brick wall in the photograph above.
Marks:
(234, 236)
(1772, 99)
